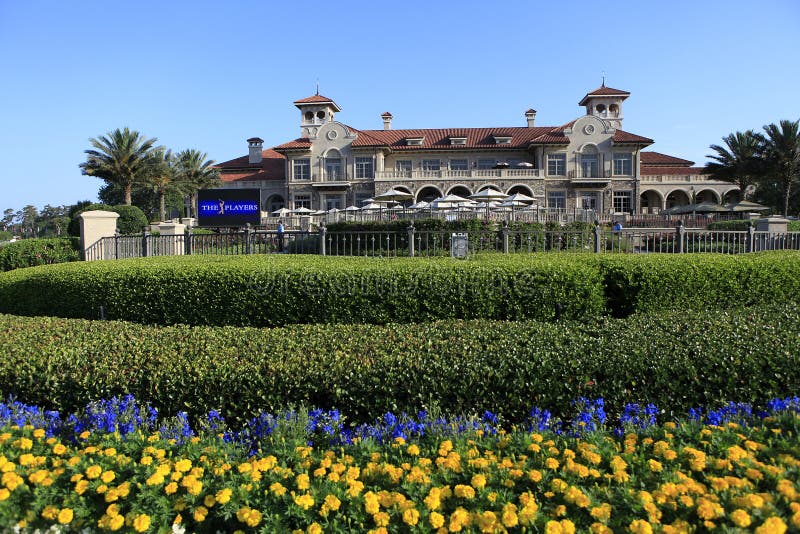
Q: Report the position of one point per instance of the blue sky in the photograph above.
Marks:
(208, 75)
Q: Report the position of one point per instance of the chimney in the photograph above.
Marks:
(256, 145)
(530, 115)
(387, 120)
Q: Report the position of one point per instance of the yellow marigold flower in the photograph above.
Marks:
(458, 520)
(37, 477)
(4, 494)
(410, 516)
(740, 518)
(50, 512)
(552, 527)
(655, 466)
(65, 516)
(478, 482)
(170, 488)
(381, 519)
(59, 449)
(224, 495)
(200, 514)
(509, 515)
(314, 528)
(276, 487)
(38, 433)
(93, 471)
(602, 512)
(102, 488)
(183, 466)
(551, 463)
(141, 523)
(487, 521)
(773, 525)
(302, 481)
(464, 491)
(707, 509)
(600, 528)
(108, 476)
(436, 520)
(640, 526)
(304, 501)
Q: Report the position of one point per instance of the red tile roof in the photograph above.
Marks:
(301, 142)
(317, 99)
(604, 91)
(622, 137)
(272, 167)
(657, 158)
(656, 169)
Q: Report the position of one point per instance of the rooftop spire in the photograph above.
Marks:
(601, 85)
(317, 86)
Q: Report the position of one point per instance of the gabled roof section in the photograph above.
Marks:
(299, 143)
(622, 137)
(316, 99)
(272, 167)
(657, 158)
(604, 91)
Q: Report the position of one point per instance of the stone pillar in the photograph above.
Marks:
(772, 234)
(95, 225)
(170, 243)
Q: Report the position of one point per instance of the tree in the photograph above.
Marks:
(119, 157)
(782, 156)
(738, 161)
(162, 176)
(196, 172)
(8, 218)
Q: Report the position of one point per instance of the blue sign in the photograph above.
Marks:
(228, 207)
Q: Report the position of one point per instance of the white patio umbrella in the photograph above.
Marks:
(371, 207)
(352, 208)
(525, 199)
(449, 201)
(302, 211)
(283, 212)
(393, 195)
(488, 194)
(419, 205)
(512, 204)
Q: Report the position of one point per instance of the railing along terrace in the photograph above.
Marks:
(413, 242)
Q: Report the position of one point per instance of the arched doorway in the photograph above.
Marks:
(521, 189)
(677, 198)
(732, 196)
(650, 201)
(708, 195)
(460, 190)
(428, 193)
(274, 203)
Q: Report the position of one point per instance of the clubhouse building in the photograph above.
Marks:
(587, 163)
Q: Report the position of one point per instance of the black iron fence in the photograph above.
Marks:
(413, 242)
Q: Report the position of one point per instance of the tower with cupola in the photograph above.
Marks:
(315, 111)
(605, 103)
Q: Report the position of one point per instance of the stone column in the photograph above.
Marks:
(96, 225)
(171, 241)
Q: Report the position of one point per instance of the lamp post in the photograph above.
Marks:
(694, 204)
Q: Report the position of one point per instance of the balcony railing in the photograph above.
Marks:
(588, 174)
(455, 175)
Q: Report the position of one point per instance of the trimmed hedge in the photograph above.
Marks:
(32, 252)
(131, 218)
(650, 282)
(275, 290)
(676, 360)
(279, 290)
(742, 225)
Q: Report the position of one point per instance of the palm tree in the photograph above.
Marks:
(196, 172)
(119, 157)
(162, 176)
(782, 156)
(738, 161)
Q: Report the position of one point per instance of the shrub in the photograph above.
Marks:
(635, 283)
(676, 360)
(32, 252)
(741, 225)
(131, 219)
(275, 290)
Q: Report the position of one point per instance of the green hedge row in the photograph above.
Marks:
(676, 360)
(279, 290)
(32, 252)
(463, 225)
(741, 225)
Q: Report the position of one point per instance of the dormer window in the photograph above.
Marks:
(414, 141)
(502, 139)
(458, 141)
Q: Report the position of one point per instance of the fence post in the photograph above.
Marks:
(145, 235)
(323, 235)
(680, 233)
(187, 240)
(116, 244)
(411, 239)
(504, 232)
(597, 236)
(751, 238)
(247, 233)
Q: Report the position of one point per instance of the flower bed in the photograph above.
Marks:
(115, 467)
